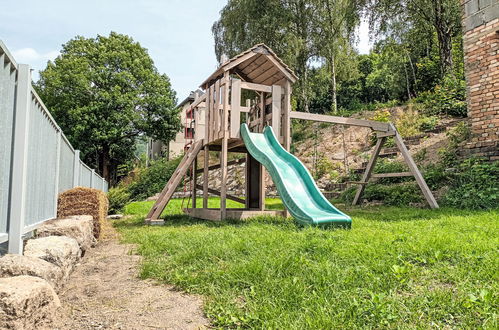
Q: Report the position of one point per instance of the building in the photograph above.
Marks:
(481, 60)
(186, 136)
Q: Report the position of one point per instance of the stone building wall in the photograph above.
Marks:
(481, 58)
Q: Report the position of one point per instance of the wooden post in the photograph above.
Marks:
(225, 140)
(415, 171)
(216, 110)
(253, 182)
(194, 181)
(276, 110)
(235, 108)
(369, 169)
(286, 122)
(206, 147)
(262, 113)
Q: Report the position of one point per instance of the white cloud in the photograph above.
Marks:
(30, 55)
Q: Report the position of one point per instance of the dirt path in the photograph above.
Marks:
(104, 293)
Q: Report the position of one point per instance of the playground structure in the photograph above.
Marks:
(231, 127)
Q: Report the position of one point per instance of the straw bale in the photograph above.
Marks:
(84, 201)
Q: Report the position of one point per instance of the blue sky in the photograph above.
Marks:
(177, 33)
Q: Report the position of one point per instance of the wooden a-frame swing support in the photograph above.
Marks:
(383, 131)
(261, 72)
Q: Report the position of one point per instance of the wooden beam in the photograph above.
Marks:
(240, 60)
(369, 169)
(228, 196)
(415, 171)
(214, 214)
(175, 179)
(385, 134)
(392, 175)
(256, 87)
(214, 167)
(375, 125)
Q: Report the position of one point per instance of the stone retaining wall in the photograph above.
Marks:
(29, 282)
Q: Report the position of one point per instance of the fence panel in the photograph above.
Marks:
(42, 165)
(37, 162)
(8, 76)
(66, 165)
(85, 175)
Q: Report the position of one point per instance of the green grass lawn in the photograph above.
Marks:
(396, 268)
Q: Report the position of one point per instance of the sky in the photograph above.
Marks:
(177, 33)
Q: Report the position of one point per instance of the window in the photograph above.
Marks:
(189, 133)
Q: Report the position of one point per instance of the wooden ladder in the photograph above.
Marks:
(172, 184)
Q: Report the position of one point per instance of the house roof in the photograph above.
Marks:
(259, 65)
(190, 98)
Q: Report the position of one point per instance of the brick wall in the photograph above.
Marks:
(481, 58)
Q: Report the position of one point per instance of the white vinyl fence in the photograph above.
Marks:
(37, 162)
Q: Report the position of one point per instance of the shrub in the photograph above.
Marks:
(151, 180)
(396, 194)
(428, 123)
(456, 136)
(475, 185)
(118, 198)
(447, 98)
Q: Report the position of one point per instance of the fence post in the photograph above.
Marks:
(76, 169)
(19, 160)
(92, 174)
(57, 169)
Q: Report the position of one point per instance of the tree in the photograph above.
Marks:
(443, 16)
(283, 25)
(334, 22)
(105, 92)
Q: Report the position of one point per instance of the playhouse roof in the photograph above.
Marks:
(259, 65)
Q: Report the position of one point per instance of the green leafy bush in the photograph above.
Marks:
(118, 198)
(447, 98)
(475, 185)
(152, 179)
(427, 123)
(456, 136)
(395, 194)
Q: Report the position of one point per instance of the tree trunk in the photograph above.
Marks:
(444, 39)
(334, 91)
(105, 163)
(445, 48)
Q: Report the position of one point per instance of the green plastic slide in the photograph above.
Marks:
(295, 185)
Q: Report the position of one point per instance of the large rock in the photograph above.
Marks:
(79, 227)
(26, 302)
(15, 265)
(60, 250)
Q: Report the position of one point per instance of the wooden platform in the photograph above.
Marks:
(215, 214)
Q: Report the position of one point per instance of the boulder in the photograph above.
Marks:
(15, 265)
(26, 302)
(79, 227)
(62, 251)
